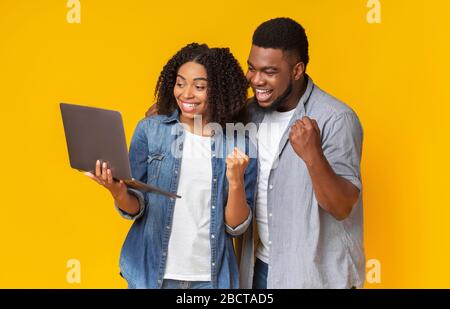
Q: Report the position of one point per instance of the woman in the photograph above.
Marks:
(187, 242)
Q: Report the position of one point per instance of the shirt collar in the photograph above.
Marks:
(172, 117)
(300, 109)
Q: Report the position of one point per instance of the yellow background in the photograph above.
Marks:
(395, 75)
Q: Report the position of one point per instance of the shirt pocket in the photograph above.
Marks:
(154, 162)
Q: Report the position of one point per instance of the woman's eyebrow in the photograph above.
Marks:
(195, 79)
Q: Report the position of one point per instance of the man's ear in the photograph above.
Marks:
(299, 69)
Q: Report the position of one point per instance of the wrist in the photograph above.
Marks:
(236, 184)
(315, 160)
(120, 196)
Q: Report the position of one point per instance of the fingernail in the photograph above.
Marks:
(98, 162)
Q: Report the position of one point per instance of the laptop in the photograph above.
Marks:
(98, 134)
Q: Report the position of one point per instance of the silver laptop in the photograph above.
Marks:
(97, 134)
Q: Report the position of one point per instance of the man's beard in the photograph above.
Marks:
(281, 99)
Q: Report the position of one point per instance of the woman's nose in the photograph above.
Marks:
(188, 93)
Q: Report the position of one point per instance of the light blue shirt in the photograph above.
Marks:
(309, 248)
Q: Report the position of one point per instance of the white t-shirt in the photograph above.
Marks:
(269, 136)
(189, 254)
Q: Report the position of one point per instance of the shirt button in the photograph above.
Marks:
(213, 154)
(212, 236)
(176, 172)
(270, 242)
(213, 207)
(168, 227)
(213, 264)
(215, 179)
(270, 187)
(159, 281)
(270, 215)
(164, 253)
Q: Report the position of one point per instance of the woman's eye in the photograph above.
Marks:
(201, 88)
(179, 85)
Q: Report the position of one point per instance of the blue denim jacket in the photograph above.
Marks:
(155, 158)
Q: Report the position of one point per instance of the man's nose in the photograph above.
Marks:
(257, 79)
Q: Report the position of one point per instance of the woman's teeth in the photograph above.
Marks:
(189, 107)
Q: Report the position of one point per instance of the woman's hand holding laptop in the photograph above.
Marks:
(118, 189)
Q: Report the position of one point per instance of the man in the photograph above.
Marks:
(309, 214)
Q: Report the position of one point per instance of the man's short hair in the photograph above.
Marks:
(283, 33)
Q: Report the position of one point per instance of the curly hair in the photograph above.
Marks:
(227, 85)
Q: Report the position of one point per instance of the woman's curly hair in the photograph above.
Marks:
(227, 85)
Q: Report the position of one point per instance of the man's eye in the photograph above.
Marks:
(251, 69)
(201, 88)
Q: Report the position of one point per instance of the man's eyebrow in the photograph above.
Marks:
(269, 68)
(263, 68)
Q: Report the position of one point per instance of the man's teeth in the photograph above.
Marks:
(262, 91)
(189, 105)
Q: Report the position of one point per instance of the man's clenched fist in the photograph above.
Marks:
(305, 139)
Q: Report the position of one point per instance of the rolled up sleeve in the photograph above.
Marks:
(342, 147)
(138, 163)
(140, 196)
(241, 228)
(250, 178)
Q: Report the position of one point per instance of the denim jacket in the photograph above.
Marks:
(155, 158)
